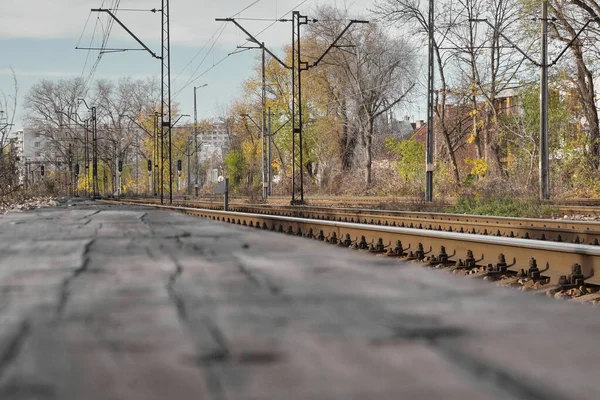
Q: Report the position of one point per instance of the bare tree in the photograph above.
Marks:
(8, 158)
(377, 73)
(54, 112)
(413, 16)
(8, 108)
(570, 17)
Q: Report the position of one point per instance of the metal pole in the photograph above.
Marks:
(197, 166)
(300, 119)
(94, 153)
(169, 104)
(269, 157)
(154, 157)
(71, 174)
(195, 141)
(294, 17)
(117, 184)
(226, 200)
(429, 145)
(162, 104)
(544, 156)
(189, 172)
(137, 162)
(264, 126)
(86, 169)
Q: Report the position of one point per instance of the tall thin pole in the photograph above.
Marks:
(544, 156)
(162, 104)
(269, 157)
(294, 17)
(165, 126)
(189, 171)
(300, 119)
(86, 158)
(94, 154)
(137, 162)
(169, 103)
(117, 173)
(155, 171)
(264, 127)
(195, 140)
(429, 144)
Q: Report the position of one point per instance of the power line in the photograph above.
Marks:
(221, 28)
(203, 47)
(194, 79)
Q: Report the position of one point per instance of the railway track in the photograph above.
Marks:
(555, 263)
(578, 232)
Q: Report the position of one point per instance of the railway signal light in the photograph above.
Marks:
(179, 165)
(120, 166)
(42, 170)
(149, 165)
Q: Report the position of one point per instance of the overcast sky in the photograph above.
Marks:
(38, 40)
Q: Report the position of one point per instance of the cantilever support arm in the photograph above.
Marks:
(255, 40)
(138, 125)
(127, 30)
(571, 42)
(537, 64)
(334, 43)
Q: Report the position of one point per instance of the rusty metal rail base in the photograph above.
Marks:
(555, 260)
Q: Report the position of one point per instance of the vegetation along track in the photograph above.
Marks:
(546, 261)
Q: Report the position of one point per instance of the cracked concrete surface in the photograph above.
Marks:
(108, 302)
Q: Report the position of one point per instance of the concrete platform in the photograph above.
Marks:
(107, 302)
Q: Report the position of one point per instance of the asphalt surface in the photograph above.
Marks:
(111, 302)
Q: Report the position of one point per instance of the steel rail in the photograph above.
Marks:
(555, 260)
(529, 228)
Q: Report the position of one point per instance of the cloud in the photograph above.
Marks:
(192, 21)
(52, 74)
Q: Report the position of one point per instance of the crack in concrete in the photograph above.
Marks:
(259, 279)
(67, 282)
(14, 347)
(175, 297)
(212, 380)
(89, 216)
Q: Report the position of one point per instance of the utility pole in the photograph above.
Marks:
(71, 174)
(117, 173)
(156, 173)
(165, 108)
(195, 147)
(189, 174)
(544, 170)
(87, 159)
(297, 67)
(430, 87)
(137, 162)
(165, 57)
(544, 155)
(265, 174)
(95, 184)
(269, 157)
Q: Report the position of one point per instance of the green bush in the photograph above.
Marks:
(502, 206)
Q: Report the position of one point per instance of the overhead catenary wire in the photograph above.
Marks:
(193, 78)
(101, 52)
(218, 31)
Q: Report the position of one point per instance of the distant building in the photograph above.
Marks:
(212, 142)
(32, 152)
